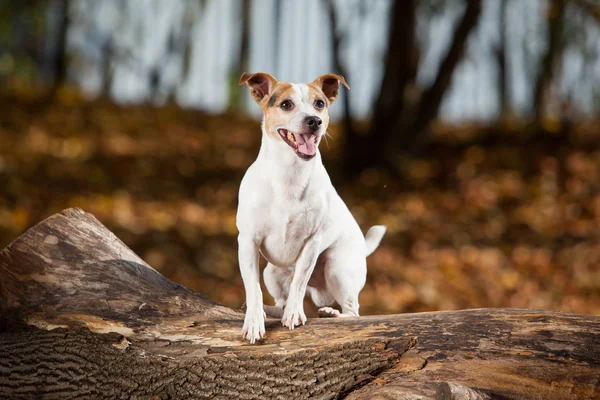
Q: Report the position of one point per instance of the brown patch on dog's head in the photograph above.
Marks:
(280, 92)
(274, 115)
(329, 84)
(268, 92)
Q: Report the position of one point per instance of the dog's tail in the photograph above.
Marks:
(374, 236)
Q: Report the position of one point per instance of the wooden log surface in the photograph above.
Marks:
(81, 316)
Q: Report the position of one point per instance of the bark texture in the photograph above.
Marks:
(83, 317)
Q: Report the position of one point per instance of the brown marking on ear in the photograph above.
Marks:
(244, 78)
(260, 83)
(329, 84)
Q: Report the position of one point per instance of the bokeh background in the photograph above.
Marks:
(471, 131)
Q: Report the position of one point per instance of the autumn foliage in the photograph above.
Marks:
(486, 218)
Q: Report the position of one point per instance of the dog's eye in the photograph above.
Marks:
(286, 105)
(319, 104)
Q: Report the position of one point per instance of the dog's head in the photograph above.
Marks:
(295, 115)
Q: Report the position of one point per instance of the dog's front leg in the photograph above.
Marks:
(293, 314)
(254, 323)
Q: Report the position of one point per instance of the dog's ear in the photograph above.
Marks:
(330, 84)
(261, 84)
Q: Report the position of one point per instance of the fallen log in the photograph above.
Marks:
(82, 316)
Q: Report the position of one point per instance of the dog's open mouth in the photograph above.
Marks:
(304, 144)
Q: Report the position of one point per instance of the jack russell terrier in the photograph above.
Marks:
(290, 213)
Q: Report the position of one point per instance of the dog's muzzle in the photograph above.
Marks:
(304, 144)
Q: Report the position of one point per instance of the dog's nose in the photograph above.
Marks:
(313, 123)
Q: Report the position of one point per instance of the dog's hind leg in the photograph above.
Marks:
(277, 281)
(318, 291)
(321, 297)
(345, 274)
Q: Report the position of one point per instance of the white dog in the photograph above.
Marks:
(290, 213)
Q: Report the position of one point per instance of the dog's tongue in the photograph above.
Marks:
(306, 144)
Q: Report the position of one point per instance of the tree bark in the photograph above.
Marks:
(82, 316)
(553, 52)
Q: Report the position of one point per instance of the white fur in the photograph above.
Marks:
(290, 213)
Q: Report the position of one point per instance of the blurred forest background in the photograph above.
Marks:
(472, 131)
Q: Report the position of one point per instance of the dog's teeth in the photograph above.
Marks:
(291, 137)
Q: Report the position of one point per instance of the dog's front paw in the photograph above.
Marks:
(254, 326)
(293, 316)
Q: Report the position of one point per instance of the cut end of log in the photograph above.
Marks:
(69, 270)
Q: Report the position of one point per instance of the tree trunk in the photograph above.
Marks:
(400, 66)
(401, 117)
(592, 9)
(336, 39)
(242, 64)
(107, 68)
(416, 133)
(501, 56)
(60, 57)
(550, 59)
(83, 316)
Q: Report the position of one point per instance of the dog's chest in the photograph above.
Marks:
(288, 227)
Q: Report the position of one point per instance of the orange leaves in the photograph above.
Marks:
(19, 219)
(507, 224)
